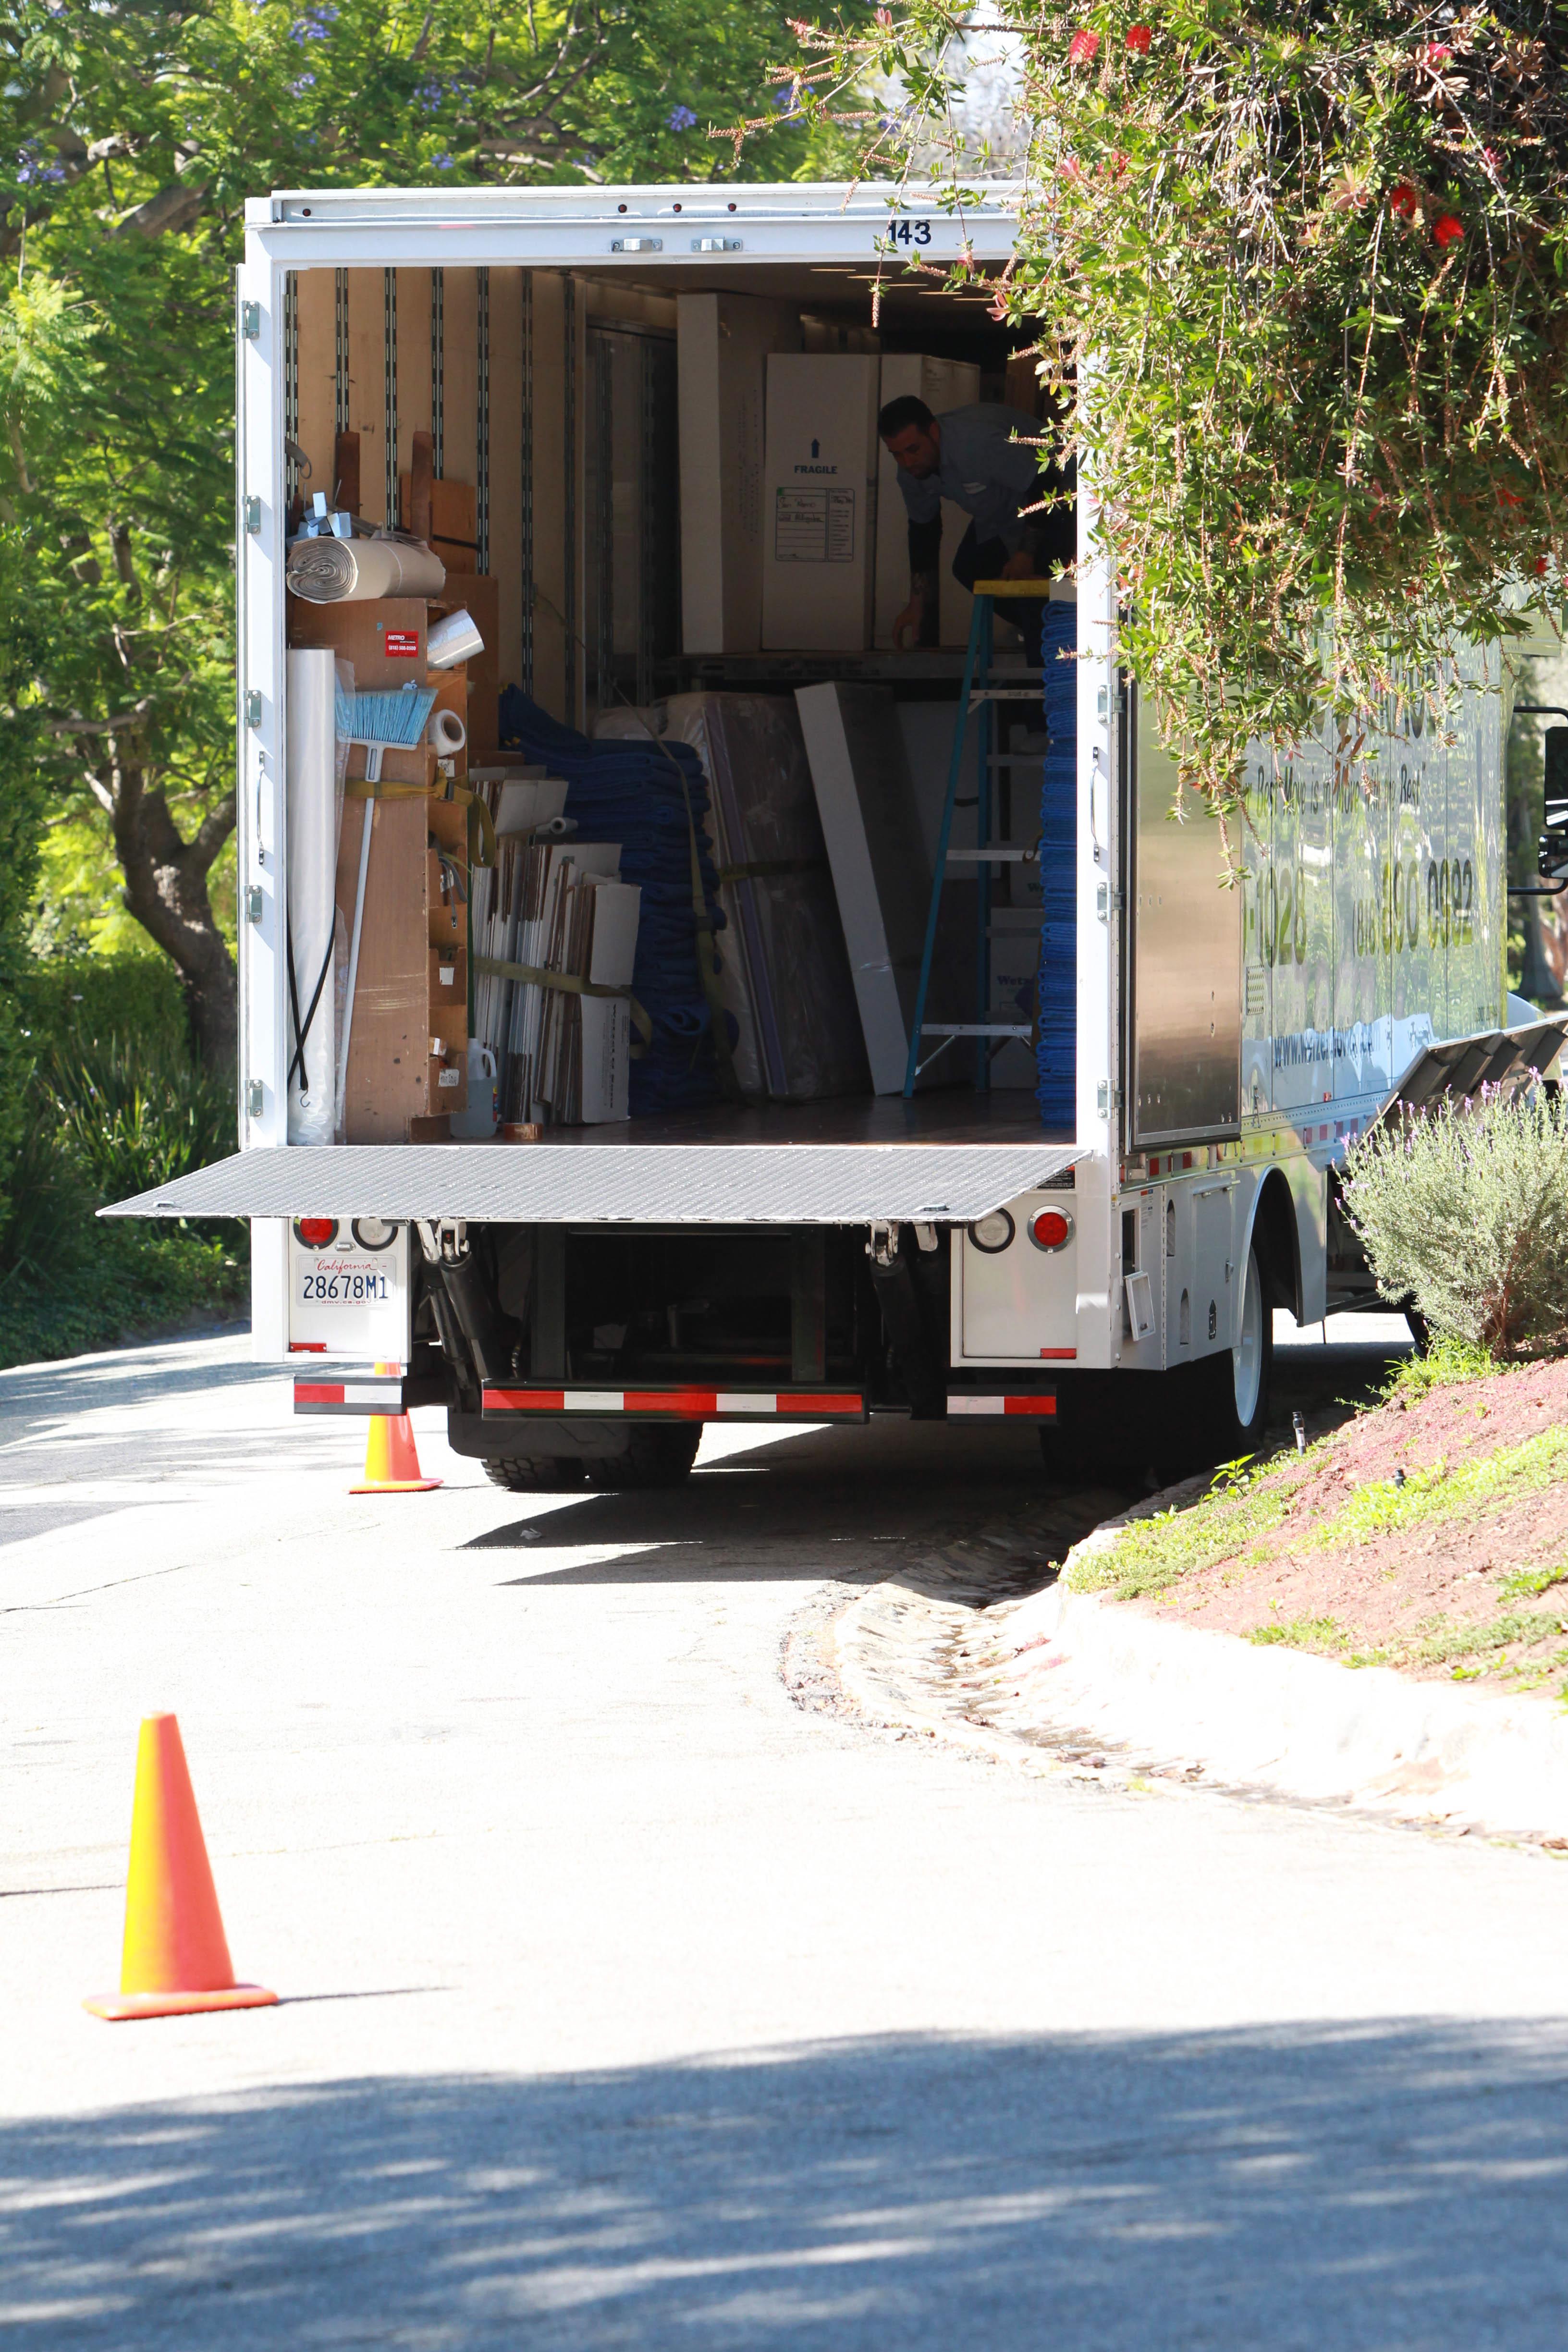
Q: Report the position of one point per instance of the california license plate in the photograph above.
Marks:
(349, 1288)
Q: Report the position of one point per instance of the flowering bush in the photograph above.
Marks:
(1300, 275)
(1463, 1211)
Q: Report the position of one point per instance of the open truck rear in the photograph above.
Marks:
(598, 410)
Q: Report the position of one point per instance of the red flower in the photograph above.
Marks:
(1447, 230)
(1082, 49)
(1138, 39)
(1402, 203)
(1508, 498)
(1431, 53)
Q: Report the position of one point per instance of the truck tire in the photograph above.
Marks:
(529, 1474)
(1235, 1412)
(658, 1456)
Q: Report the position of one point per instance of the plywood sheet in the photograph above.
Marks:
(388, 1081)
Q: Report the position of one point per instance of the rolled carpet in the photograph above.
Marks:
(352, 571)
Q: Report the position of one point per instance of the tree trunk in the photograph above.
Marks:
(166, 890)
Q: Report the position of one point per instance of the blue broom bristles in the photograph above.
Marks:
(394, 715)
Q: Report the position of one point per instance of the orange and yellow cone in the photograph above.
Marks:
(175, 1959)
(390, 1456)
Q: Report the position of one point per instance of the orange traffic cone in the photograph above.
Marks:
(390, 1456)
(175, 1959)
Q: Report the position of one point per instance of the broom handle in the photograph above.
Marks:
(354, 953)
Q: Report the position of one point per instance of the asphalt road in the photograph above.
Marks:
(628, 2003)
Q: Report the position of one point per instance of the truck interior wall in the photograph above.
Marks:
(599, 452)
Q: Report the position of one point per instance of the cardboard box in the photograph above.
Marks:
(724, 345)
(820, 501)
(942, 384)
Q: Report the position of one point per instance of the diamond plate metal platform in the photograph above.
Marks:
(615, 1183)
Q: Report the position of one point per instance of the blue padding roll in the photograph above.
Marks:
(628, 791)
(1056, 1055)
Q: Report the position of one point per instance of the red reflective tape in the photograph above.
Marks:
(523, 1400)
(1059, 1355)
(1048, 1405)
(825, 1404)
(307, 1347)
(692, 1403)
(318, 1392)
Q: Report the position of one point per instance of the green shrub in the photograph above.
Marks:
(115, 1103)
(1463, 1211)
(71, 1004)
(133, 1115)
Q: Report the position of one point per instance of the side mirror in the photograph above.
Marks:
(1552, 844)
(1552, 859)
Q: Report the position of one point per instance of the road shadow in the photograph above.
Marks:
(810, 1506)
(1382, 2187)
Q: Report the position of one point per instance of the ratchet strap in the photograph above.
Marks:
(536, 976)
(481, 827)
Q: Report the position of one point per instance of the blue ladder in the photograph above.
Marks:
(983, 687)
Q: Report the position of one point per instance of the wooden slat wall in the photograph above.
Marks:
(412, 362)
(367, 386)
(506, 464)
(316, 311)
(316, 300)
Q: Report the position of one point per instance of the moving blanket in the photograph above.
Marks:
(632, 792)
(1056, 1055)
(786, 978)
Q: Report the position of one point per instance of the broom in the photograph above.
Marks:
(390, 721)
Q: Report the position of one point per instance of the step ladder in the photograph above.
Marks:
(987, 693)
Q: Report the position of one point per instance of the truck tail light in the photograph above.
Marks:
(993, 1232)
(1050, 1229)
(316, 1232)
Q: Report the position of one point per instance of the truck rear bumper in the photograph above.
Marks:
(511, 1405)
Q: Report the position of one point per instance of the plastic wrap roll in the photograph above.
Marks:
(455, 639)
(352, 571)
(446, 733)
(312, 855)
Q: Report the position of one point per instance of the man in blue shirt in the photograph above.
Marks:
(987, 460)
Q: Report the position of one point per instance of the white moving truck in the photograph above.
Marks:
(583, 375)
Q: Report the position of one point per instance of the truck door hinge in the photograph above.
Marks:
(637, 244)
(255, 904)
(253, 515)
(251, 320)
(255, 1098)
(444, 1240)
(717, 245)
(252, 707)
(1106, 1098)
(1107, 901)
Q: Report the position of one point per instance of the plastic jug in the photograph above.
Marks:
(477, 1123)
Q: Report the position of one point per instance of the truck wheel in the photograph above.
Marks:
(534, 1473)
(658, 1456)
(1236, 1409)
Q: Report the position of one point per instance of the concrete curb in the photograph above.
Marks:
(1061, 1671)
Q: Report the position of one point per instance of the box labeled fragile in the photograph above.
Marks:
(820, 499)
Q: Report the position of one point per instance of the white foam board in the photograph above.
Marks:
(880, 877)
